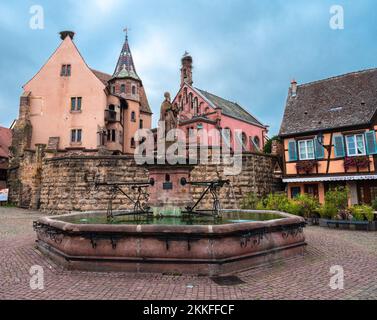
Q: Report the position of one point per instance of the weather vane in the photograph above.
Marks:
(126, 30)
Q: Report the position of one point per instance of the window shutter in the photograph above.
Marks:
(370, 142)
(292, 150)
(319, 149)
(339, 147)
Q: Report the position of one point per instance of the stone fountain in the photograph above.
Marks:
(167, 232)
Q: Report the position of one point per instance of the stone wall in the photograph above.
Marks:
(68, 183)
(257, 177)
(65, 183)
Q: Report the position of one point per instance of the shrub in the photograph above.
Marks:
(328, 211)
(362, 213)
(309, 205)
(268, 146)
(276, 201)
(374, 204)
(250, 201)
(337, 198)
(293, 207)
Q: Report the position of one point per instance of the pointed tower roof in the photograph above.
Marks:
(125, 67)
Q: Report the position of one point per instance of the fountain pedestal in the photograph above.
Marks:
(168, 197)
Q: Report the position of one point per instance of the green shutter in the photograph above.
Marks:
(319, 149)
(339, 147)
(370, 142)
(292, 150)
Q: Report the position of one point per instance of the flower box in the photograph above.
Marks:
(356, 162)
(307, 165)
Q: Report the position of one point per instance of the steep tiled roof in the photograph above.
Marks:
(104, 77)
(5, 142)
(144, 104)
(342, 101)
(125, 67)
(229, 108)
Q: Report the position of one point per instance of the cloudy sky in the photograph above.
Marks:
(244, 50)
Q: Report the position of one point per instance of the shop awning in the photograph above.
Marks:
(331, 178)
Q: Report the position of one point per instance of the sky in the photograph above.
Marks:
(246, 51)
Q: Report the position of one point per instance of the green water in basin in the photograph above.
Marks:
(226, 218)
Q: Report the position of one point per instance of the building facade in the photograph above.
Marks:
(329, 137)
(69, 106)
(200, 109)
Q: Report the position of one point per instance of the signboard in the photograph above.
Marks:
(4, 195)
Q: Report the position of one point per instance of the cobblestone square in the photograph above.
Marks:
(305, 277)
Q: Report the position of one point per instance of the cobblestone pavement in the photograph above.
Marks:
(305, 277)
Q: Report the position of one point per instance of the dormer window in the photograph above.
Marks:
(65, 70)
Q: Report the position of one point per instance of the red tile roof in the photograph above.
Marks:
(104, 77)
(5, 142)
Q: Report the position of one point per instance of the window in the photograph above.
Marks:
(133, 90)
(65, 70)
(295, 192)
(257, 142)
(132, 143)
(227, 136)
(355, 145)
(133, 116)
(306, 149)
(76, 135)
(113, 89)
(123, 88)
(141, 124)
(244, 141)
(113, 135)
(76, 103)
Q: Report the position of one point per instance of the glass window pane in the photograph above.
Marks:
(351, 147)
(310, 148)
(68, 70)
(360, 144)
(79, 103)
(73, 135)
(79, 135)
(302, 147)
(73, 104)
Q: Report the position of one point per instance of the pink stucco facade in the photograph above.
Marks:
(111, 107)
(198, 112)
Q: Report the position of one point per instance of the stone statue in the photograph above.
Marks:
(169, 114)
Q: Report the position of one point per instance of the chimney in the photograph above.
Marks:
(293, 88)
(186, 70)
(64, 34)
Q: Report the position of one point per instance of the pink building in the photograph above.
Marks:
(69, 106)
(200, 109)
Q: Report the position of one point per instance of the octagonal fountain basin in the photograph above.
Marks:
(173, 245)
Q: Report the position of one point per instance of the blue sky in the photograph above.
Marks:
(246, 51)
